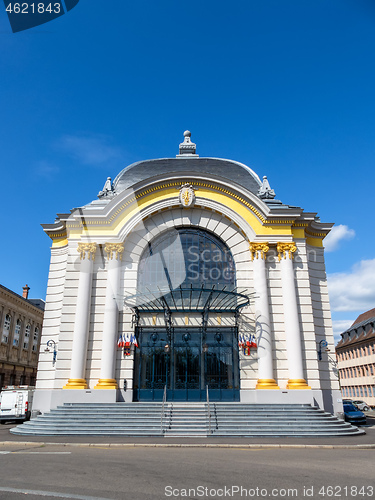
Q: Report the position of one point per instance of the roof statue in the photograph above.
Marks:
(265, 190)
(107, 189)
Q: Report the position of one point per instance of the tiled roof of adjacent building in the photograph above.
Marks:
(356, 332)
(364, 317)
(39, 303)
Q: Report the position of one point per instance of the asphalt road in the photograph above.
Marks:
(144, 473)
(44, 471)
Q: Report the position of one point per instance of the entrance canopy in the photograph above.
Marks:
(189, 299)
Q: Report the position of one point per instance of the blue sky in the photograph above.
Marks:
(286, 87)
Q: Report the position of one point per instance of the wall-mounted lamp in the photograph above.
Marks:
(322, 344)
(52, 343)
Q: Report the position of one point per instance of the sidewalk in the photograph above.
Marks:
(363, 441)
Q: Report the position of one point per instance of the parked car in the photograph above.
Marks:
(361, 405)
(353, 415)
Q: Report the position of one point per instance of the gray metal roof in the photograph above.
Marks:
(226, 169)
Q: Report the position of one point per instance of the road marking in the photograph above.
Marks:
(43, 452)
(51, 494)
(36, 452)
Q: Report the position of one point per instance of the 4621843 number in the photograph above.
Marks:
(346, 491)
(33, 8)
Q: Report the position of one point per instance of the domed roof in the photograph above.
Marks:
(216, 168)
(187, 163)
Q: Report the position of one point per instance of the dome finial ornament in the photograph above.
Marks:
(187, 148)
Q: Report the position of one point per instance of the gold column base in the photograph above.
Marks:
(266, 383)
(76, 383)
(106, 383)
(297, 383)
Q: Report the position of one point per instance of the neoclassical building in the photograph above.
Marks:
(356, 359)
(21, 321)
(186, 276)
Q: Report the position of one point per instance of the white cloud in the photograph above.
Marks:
(337, 234)
(45, 169)
(355, 290)
(90, 149)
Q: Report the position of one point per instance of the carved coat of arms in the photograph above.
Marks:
(187, 195)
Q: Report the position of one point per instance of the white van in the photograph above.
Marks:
(15, 403)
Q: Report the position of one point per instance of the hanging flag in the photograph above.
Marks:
(133, 340)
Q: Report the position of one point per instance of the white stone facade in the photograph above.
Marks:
(278, 256)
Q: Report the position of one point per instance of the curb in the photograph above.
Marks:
(183, 445)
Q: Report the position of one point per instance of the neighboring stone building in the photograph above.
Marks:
(193, 259)
(356, 359)
(21, 325)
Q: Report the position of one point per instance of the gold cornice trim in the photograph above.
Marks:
(282, 222)
(56, 236)
(171, 185)
(318, 235)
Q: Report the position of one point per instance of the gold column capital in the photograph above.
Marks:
(284, 248)
(258, 247)
(90, 248)
(114, 248)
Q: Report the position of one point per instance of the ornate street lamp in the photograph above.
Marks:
(52, 343)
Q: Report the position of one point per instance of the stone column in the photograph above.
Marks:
(262, 316)
(291, 321)
(110, 328)
(82, 318)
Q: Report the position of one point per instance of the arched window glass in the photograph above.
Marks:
(17, 331)
(6, 328)
(186, 257)
(35, 339)
(26, 338)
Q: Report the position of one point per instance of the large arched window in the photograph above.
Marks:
(186, 257)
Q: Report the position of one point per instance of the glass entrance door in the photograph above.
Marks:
(187, 366)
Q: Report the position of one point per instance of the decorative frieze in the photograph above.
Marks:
(89, 248)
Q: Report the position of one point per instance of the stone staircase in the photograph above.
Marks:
(186, 420)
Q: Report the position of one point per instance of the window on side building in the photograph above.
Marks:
(35, 339)
(6, 328)
(17, 331)
(26, 338)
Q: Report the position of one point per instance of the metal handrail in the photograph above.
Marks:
(208, 411)
(162, 409)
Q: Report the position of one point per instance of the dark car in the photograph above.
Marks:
(353, 415)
